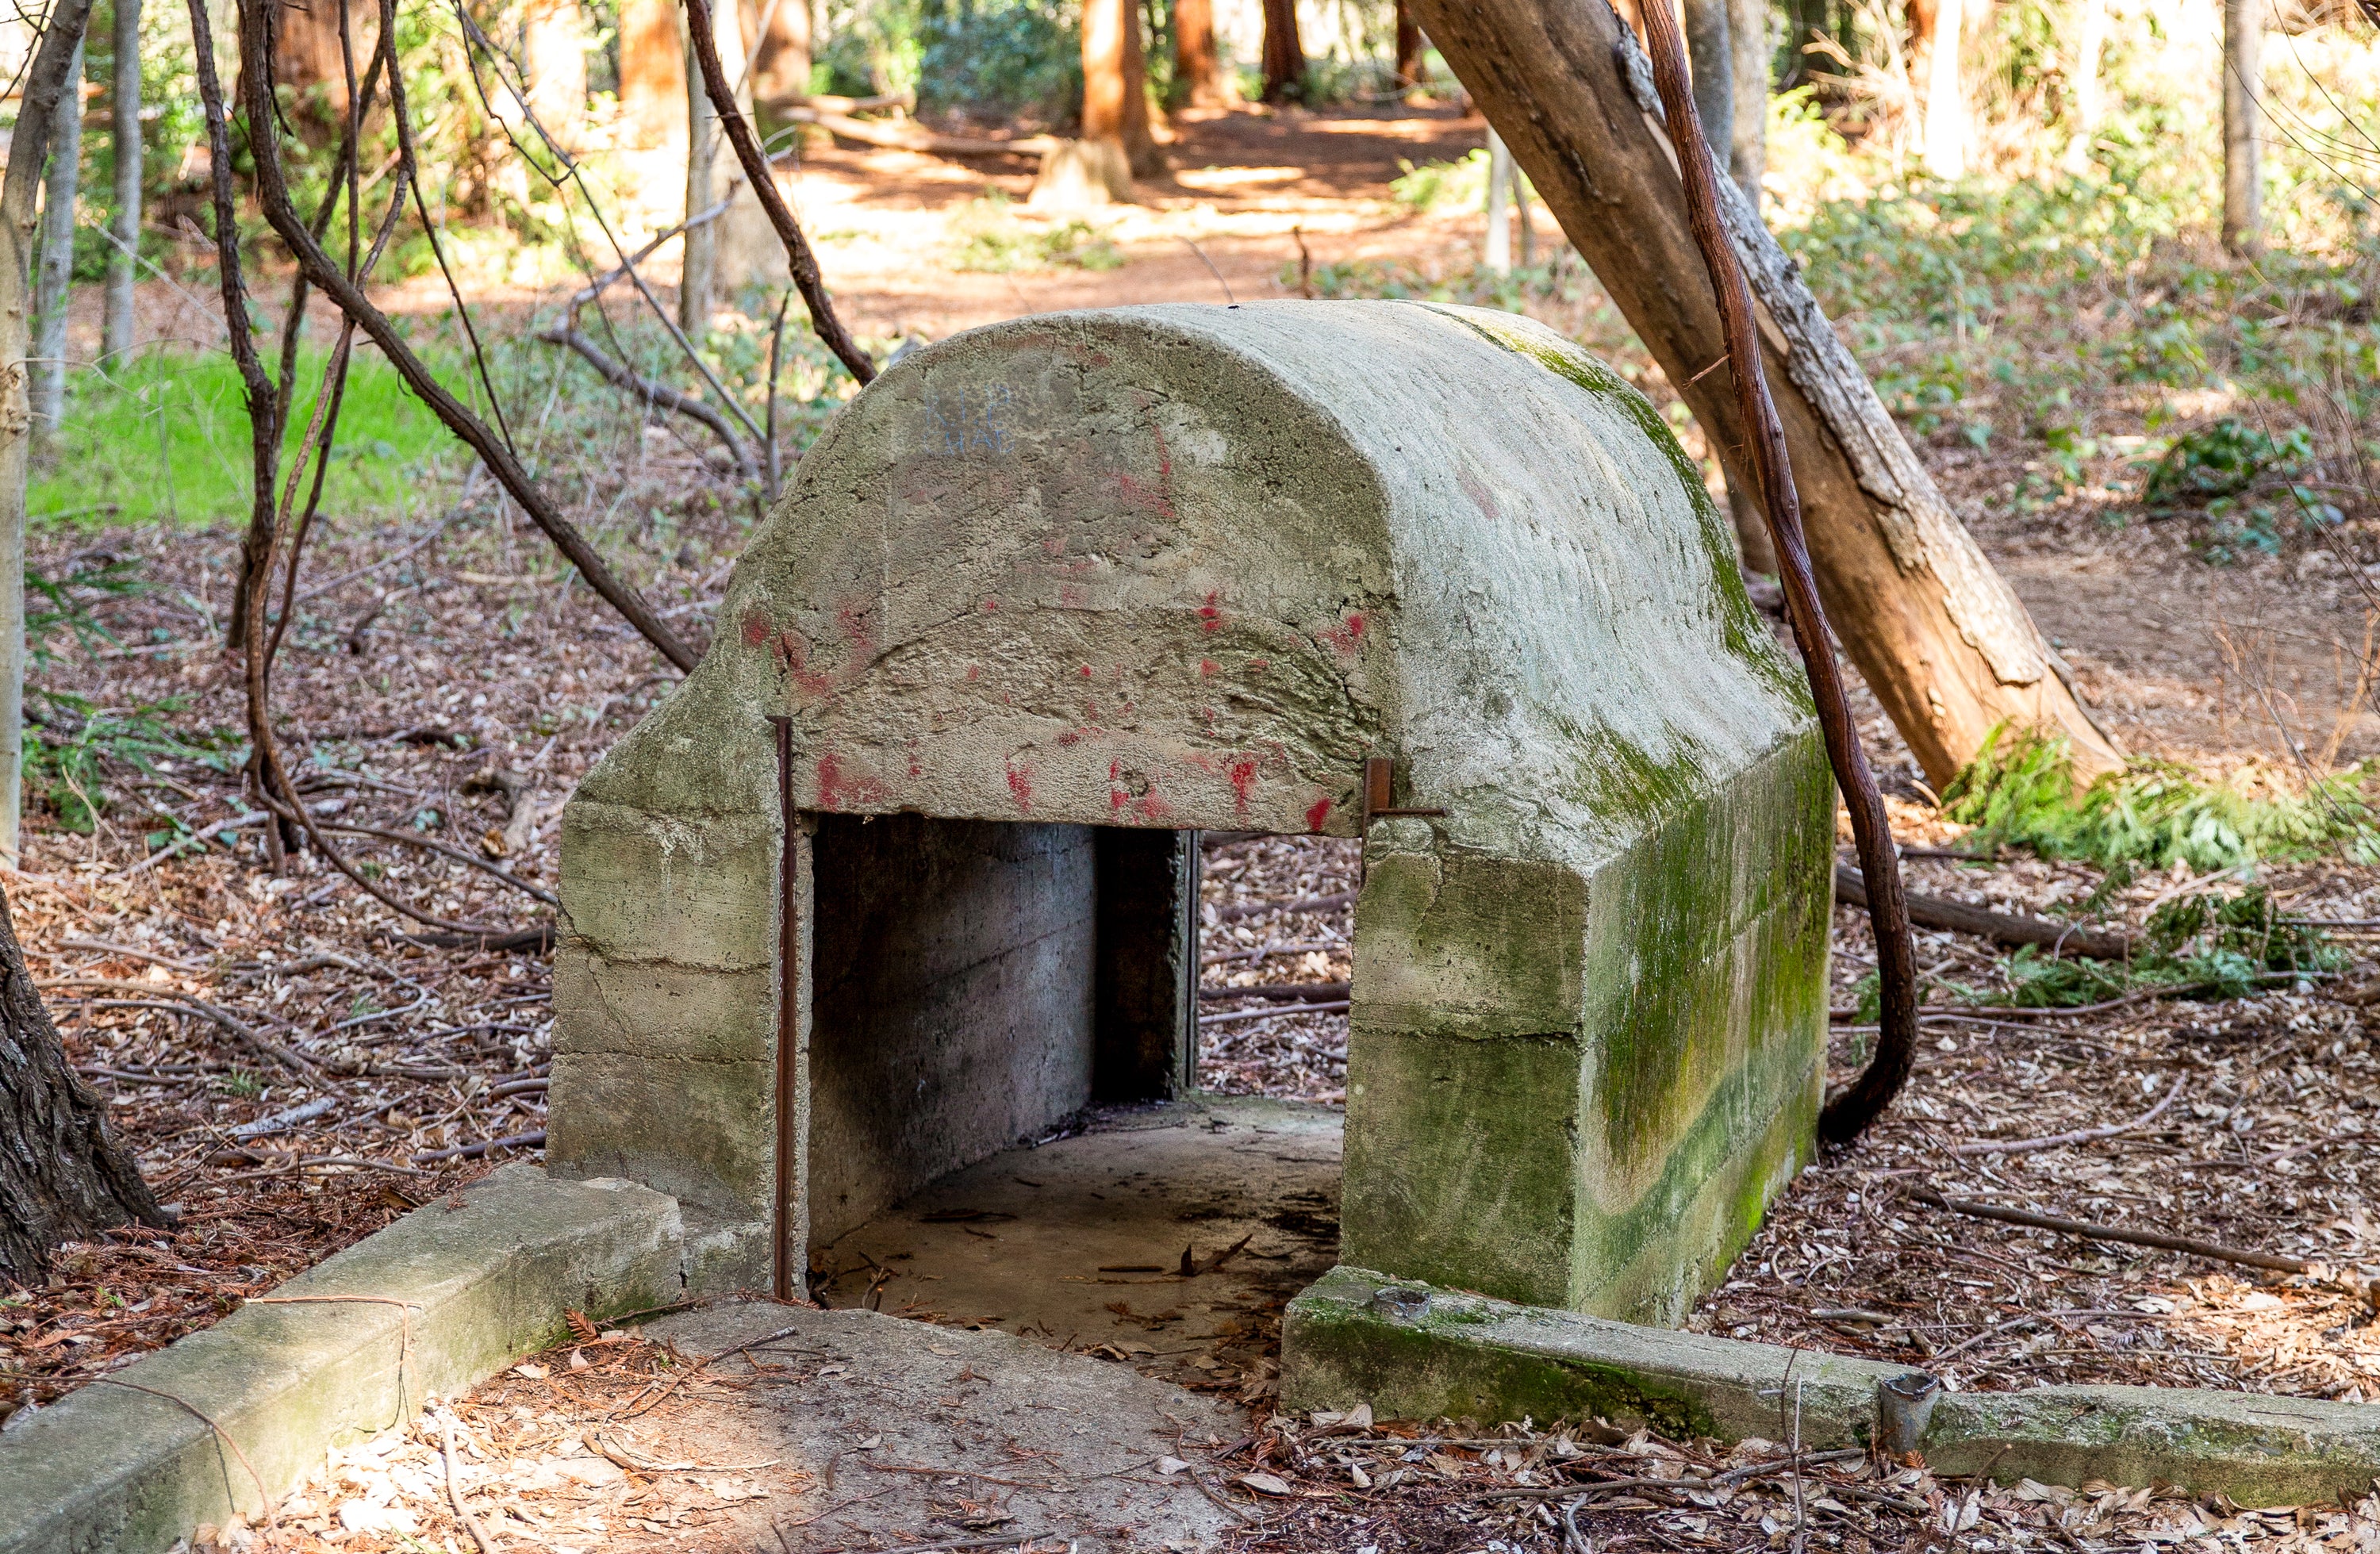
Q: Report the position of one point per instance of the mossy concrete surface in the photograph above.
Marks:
(1413, 1351)
(484, 1276)
(1180, 567)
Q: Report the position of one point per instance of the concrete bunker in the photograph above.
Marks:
(904, 872)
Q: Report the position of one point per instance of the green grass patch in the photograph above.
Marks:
(164, 438)
(2020, 791)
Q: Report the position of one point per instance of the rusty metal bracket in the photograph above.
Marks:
(1378, 770)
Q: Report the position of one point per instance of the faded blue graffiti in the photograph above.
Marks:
(970, 420)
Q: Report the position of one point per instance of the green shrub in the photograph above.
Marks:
(2223, 459)
(2019, 790)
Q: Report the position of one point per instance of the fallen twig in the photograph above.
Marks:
(454, 1489)
(2110, 1233)
(473, 1151)
(2080, 1135)
(2000, 928)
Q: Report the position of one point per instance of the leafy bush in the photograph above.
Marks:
(1440, 186)
(2223, 459)
(2019, 790)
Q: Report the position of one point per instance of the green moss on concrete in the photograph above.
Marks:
(1460, 1159)
(1470, 945)
(1746, 635)
(1348, 1354)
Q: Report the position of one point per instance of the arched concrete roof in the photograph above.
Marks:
(1188, 565)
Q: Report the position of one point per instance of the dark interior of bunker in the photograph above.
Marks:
(1012, 1122)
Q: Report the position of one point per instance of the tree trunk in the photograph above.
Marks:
(652, 74)
(1943, 641)
(554, 63)
(1747, 154)
(780, 36)
(1495, 256)
(1194, 62)
(308, 65)
(2244, 91)
(54, 288)
(1936, 30)
(1284, 55)
(1408, 45)
(54, 74)
(2090, 96)
(1710, 57)
(1115, 84)
(698, 284)
(60, 1174)
(118, 326)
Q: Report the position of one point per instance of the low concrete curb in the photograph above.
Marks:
(1416, 1353)
(485, 1280)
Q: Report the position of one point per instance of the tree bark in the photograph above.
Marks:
(554, 63)
(2243, 90)
(1496, 255)
(53, 288)
(1936, 30)
(697, 293)
(2090, 97)
(118, 326)
(1115, 84)
(307, 62)
(1408, 45)
(780, 35)
(60, 1174)
(1196, 64)
(652, 74)
(1747, 154)
(1284, 54)
(1943, 641)
(1710, 55)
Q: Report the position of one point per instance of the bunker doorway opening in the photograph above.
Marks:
(1015, 1117)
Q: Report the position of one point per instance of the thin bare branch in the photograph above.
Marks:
(798, 257)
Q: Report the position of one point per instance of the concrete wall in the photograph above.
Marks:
(1190, 567)
(952, 981)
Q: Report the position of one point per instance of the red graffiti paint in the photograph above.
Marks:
(851, 620)
(1258, 666)
(1117, 798)
(829, 782)
(1085, 672)
(915, 771)
(1244, 782)
(756, 628)
(1320, 816)
(1153, 809)
(1210, 614)
(1073, 596)
(1347, 636)
(1207, 668)
(1020, 787)
(989, 605)
(792, 657)
(975, 673)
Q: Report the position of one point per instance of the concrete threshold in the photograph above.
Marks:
(1413, 1351)
(232, 1418)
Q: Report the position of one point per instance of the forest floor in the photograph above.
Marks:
(295, 1066)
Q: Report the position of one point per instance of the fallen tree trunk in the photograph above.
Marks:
(2000, 928)
(1942, 640)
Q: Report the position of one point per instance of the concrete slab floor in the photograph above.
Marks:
(751, 1428)
(1081, 1242)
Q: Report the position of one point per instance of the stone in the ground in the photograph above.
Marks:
(1061, 583)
